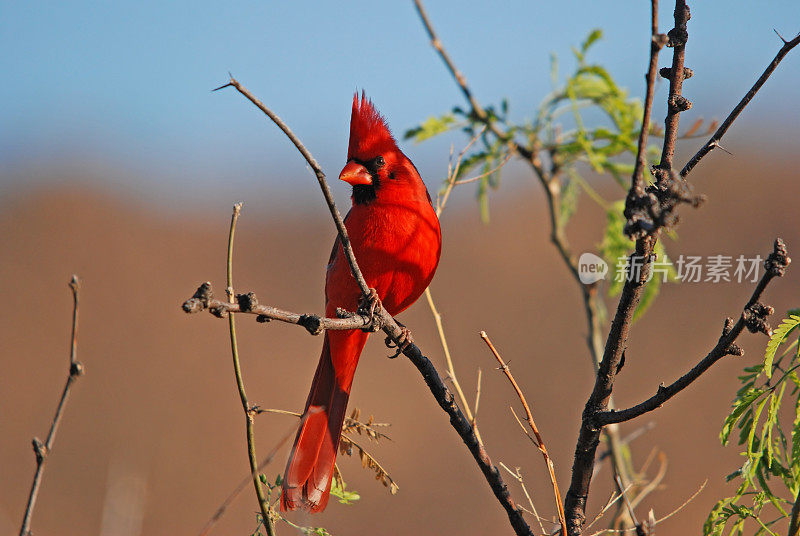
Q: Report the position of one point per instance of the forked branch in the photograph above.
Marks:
(42, 450)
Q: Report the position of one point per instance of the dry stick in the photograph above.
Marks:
(776, 265)
(203, 299)
(240, 487)
(713, 143)
(656, 43)
(42, 450)
(659, 520)
(249, 412)
(452, 173)
(589, 435)
(451, 372)
(552, 190)
(518, 476)
(432, 379)
(539, 441)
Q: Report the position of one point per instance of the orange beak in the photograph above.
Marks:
(354, 173)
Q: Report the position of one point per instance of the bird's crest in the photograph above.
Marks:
(369, 133)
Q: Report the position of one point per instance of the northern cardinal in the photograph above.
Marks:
(397, 241)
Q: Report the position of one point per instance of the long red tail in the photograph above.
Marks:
(307, 482)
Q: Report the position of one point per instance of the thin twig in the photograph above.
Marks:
(486, 173)
(627, 502)
(248, 411)
(243, 484)
(42, 450)
(452, 171)
(451, 371)
(518, 476)
(656, 42)
(429, 373)
(660, 520)
(713, 142)
(615, 496)
(539, 441)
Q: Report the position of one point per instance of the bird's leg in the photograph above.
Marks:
(403, 342)
(367, 306)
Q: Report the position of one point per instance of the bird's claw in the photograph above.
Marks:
(367, 307)
(404, 341)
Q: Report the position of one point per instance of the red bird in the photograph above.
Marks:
(397, 241)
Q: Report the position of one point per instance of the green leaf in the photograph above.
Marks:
(777, 338)
(433, 126)
(344, 496)
(740, 405)
(570, 193)
(593, 36)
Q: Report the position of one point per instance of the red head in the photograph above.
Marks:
(376, 167)
(369, 133)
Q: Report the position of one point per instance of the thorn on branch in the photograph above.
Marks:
(76, 369)
(312, 323)
(755, 318)
(39, 449)
(199, 301)
(780, 36)
(778, 260)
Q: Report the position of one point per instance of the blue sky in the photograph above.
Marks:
(127, 85)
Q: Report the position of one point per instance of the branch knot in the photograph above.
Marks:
(778, 260)
(199, 300)
(312, 323)
(39, 449)
(755, 318)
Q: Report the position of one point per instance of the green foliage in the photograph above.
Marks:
(338, 490)
(431, 127)
(559, 132)
(769, 478)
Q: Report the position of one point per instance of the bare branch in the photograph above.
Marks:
(42, 450)
(775, 265)
(539, 441)
(203, 299)
(713, 142)
(588, 439)
(657, 41)
(237, 369)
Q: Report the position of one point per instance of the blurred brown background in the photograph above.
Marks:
(153, 438)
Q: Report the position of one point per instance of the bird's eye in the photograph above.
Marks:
(379, 161)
